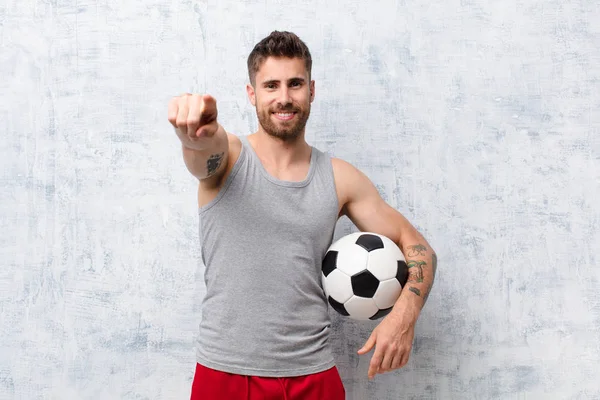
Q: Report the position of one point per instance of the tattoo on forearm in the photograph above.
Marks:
(213, 163)
(415, 270)
(416, 250)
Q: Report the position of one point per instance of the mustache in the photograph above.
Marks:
(286, 109)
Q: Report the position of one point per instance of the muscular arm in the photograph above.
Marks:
(370, 213)
(210, 162)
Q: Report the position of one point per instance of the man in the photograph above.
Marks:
(268, 205)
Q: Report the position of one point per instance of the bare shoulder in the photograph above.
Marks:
(235, 146)
(350, 182)
(358, 197)
(342, 168)
(345, 174)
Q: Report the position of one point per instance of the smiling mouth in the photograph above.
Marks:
(284, 116)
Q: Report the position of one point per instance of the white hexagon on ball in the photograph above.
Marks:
(353, 259)
(361, 308)
(387, 293)
(338, 285)
(383, 264)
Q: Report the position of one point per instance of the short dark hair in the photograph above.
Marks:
(278, 44)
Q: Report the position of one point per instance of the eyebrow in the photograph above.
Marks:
(295, 79)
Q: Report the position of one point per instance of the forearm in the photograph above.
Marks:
(422, 264)
(208, 161)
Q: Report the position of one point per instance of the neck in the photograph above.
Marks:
(278, 152)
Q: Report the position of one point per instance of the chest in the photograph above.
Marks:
(295, 173)
(296, 202)
(305, 212)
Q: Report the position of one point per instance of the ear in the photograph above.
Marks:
(312, 91)
(251, 94)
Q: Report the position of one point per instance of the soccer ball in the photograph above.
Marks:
(363, 274)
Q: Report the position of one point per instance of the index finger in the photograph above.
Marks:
(375, 362)
(194, 115)
(208, 111)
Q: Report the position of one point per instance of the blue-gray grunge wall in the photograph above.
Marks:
(479, 121)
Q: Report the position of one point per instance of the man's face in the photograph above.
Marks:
(282, 94)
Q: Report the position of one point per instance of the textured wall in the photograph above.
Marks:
(478, 120)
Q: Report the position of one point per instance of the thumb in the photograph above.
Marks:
(368, 345)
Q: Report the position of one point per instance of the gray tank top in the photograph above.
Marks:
(262, 242)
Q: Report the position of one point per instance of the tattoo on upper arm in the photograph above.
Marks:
(213, 163)
(415, 290)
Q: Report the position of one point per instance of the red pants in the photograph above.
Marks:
(210, 384)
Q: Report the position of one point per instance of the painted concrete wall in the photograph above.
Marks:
(477, 120)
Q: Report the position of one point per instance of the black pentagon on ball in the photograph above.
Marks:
(369, 242)
(337, 306)
(364, 284)
(381, 313)
(329, 262)
(402, 272)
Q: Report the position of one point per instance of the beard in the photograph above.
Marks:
(284, 130)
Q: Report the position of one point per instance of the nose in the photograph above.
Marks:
(284, 97)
